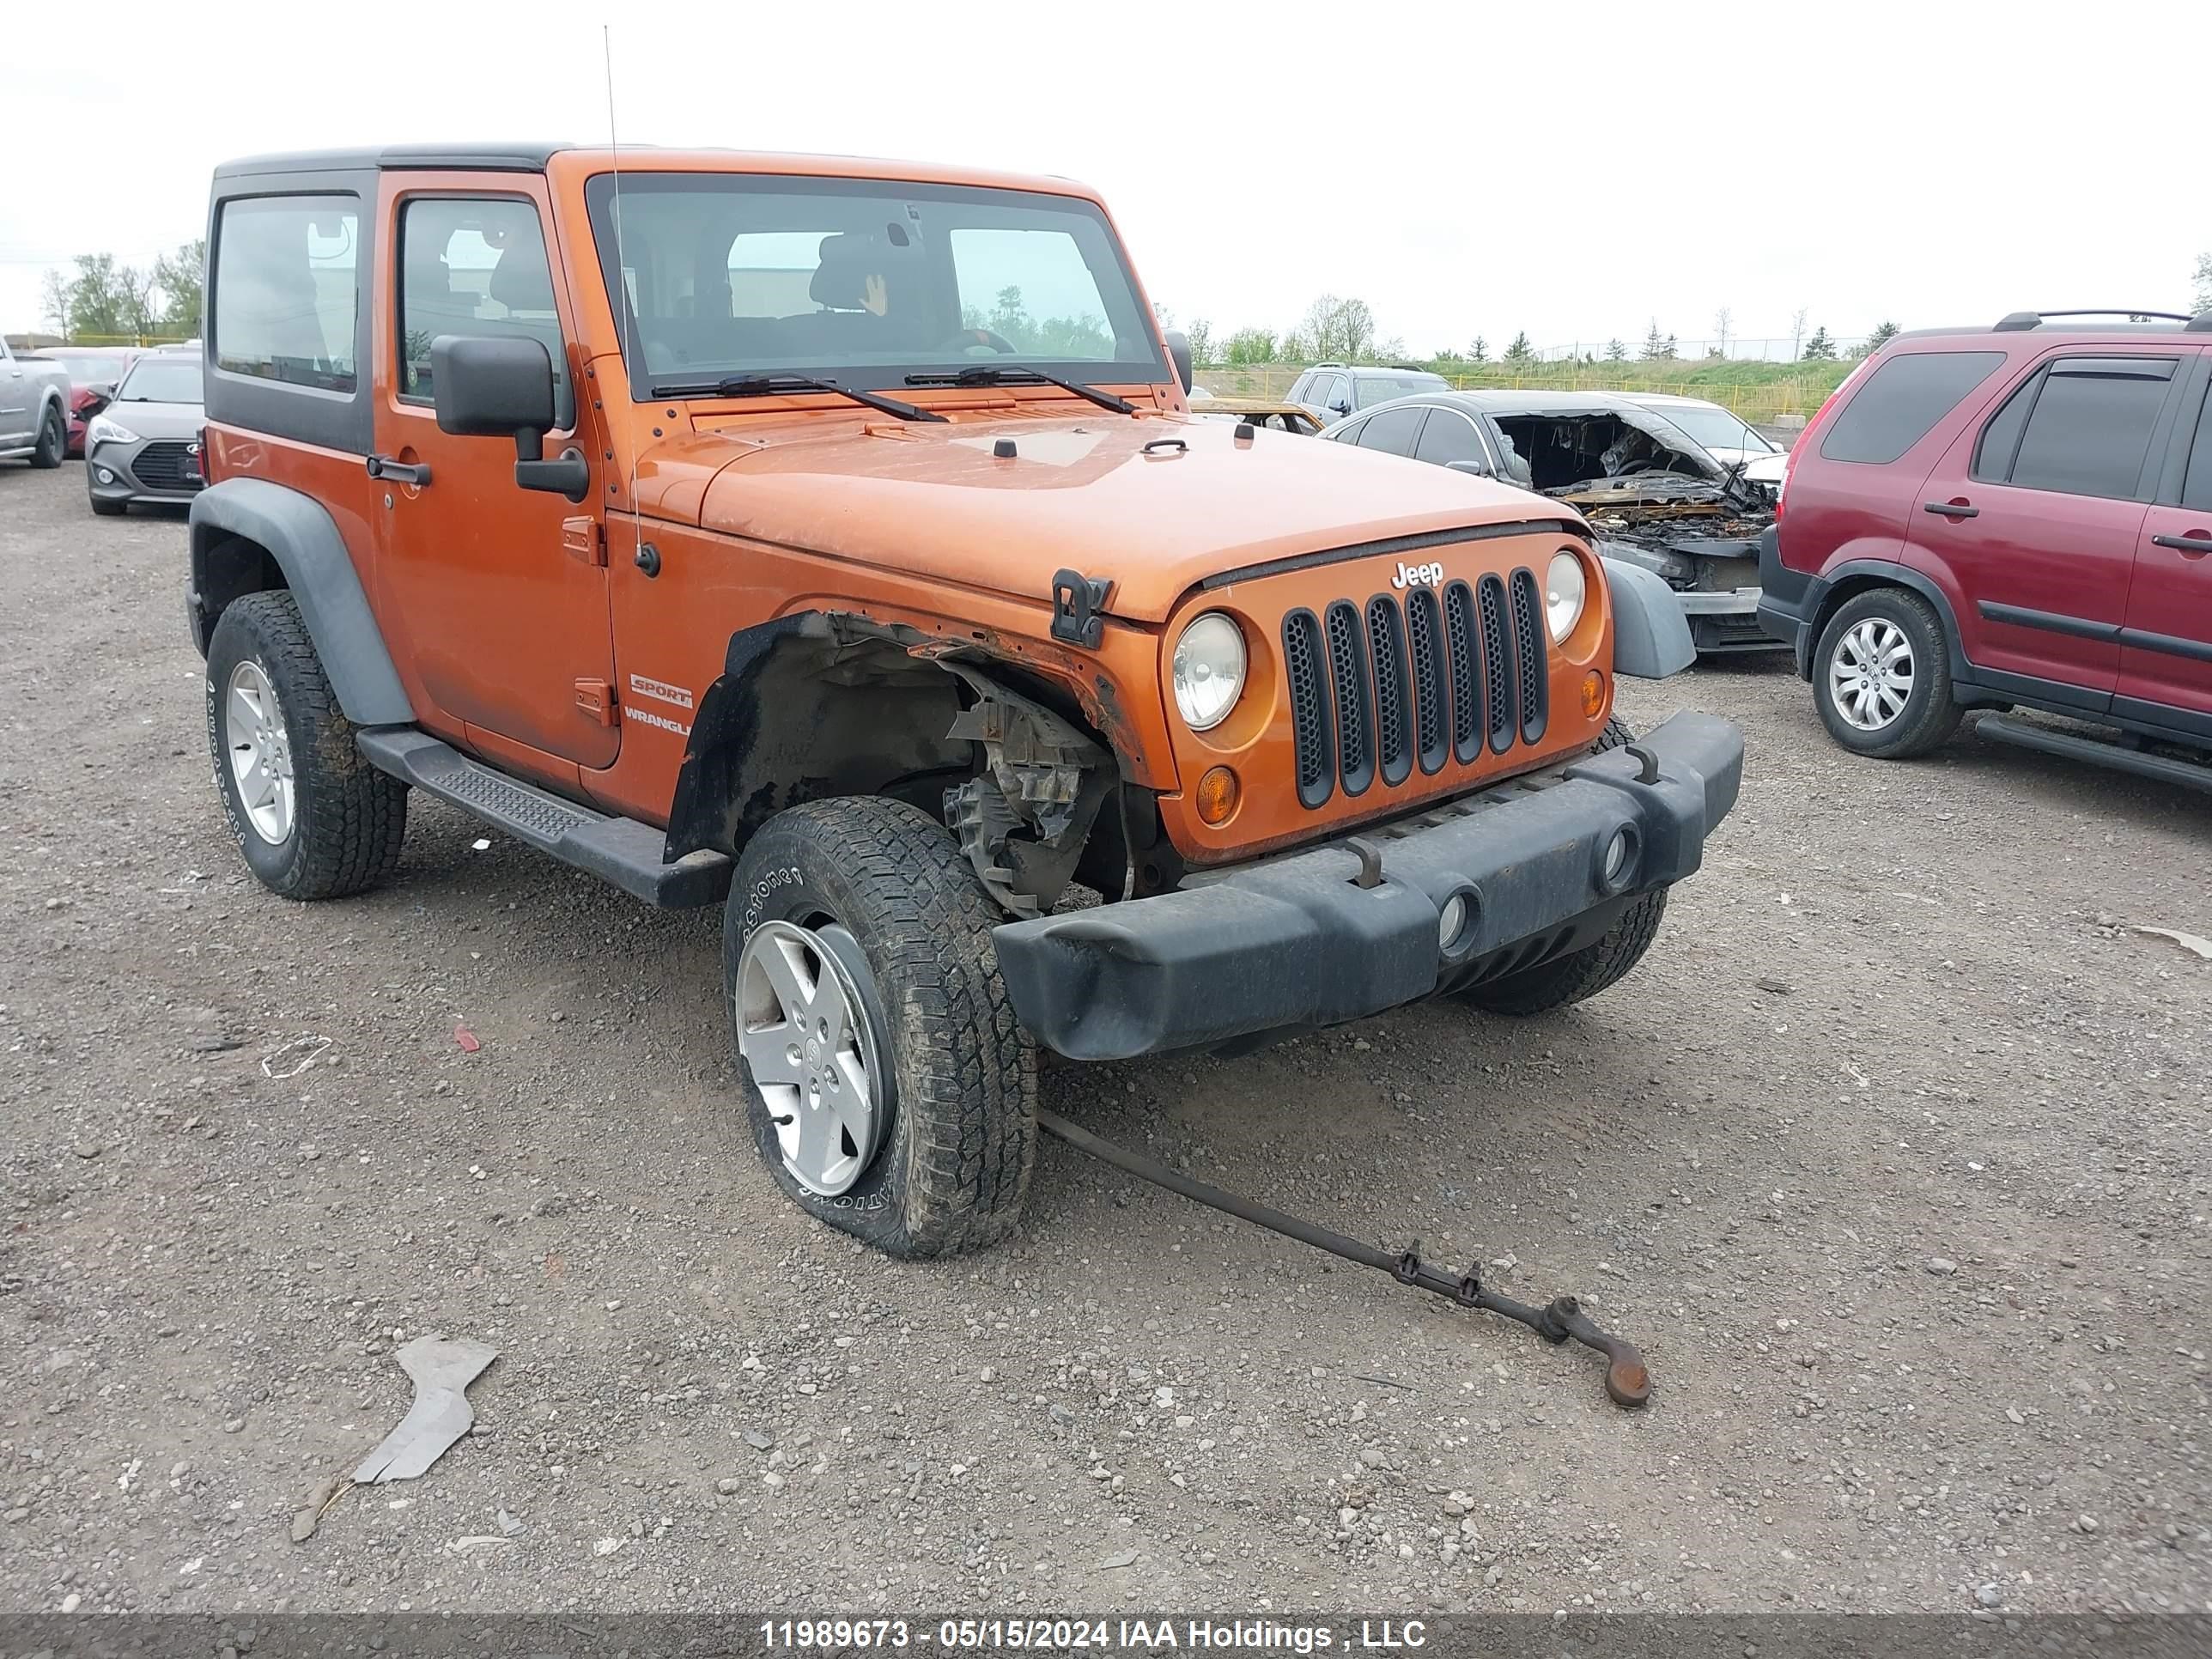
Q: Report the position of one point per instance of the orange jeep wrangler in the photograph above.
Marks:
(833, 536)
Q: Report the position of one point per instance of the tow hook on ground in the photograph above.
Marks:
(1626, 1379)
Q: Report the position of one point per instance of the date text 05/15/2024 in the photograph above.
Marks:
(1114, 1635)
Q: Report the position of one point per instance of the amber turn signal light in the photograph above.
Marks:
(1217, 795)
(1593, 694)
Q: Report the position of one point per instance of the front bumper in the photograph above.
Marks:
(1789, 601)
(179, 476)
(1298, 942)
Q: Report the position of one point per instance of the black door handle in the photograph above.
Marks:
(383, 467)
(2200, 545)
(1950, 509)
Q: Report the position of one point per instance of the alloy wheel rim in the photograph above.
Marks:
(1870, 675)
(260, 750)
(804, 1035)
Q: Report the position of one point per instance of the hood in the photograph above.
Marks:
(1153, 505)
(151, 420)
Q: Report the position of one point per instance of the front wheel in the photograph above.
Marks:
(891, 1091)
(1881, 676)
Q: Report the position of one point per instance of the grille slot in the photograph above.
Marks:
(1347, 673)
(1394, 714)
(1433, 684)
(1311, 725)
(1529, 632)
(1497, 672)
(1444, 676)
(1466, 678)
(161, 465)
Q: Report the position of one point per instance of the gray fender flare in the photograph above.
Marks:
(1651, 635)
(304, 540)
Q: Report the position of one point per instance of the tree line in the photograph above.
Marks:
(1335, 329)
(104, 296)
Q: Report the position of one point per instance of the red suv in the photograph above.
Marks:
(2011, 517)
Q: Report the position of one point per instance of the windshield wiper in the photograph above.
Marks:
(990, 375)
(764, 385)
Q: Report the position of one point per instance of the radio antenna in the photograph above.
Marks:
(625, 319)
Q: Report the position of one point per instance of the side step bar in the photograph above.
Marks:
(621, 850)
(2028, 735)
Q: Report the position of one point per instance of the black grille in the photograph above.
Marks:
(1440, 677)
(1347, 673)
(1497, 663)
(164, 464)
(1466, 685)
(1424, 639)
(1309, 720)
(1528, 632)
(1386, 648)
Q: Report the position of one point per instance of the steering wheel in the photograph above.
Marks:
(968, 339)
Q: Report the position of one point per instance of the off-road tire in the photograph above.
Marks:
(53, 441)
(1929, 715)
(348, 818)
(108, 509)
(953, 1163)
(1569, 979)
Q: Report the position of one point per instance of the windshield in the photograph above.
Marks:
(87, 369)
(1382, 388)
(161, 381)
(1713, 426)
(864, 281)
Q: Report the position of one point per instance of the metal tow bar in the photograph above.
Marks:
(1626, 1378)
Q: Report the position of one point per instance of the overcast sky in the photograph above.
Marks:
(1568, 170)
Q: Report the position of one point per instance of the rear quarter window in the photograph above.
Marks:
(1901, 402)
(283, 305)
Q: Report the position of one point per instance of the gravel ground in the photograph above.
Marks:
(1892, 1156)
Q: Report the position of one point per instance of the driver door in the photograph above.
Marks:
(500, 592)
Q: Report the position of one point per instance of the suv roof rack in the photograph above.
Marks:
(2016, 322)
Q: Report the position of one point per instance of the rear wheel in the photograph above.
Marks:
(314, 818)
(891, 1091)
(1569, 979)
(1881, 676)
(53, 440)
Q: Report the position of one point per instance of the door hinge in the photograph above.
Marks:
(584, 539)
(597, 699)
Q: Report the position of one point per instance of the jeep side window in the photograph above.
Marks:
(2086, 426)
(1902, 401)
(283, 303)
(475, 266)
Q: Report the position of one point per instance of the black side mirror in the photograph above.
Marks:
(503, 388)
(93, 404)
(1179, 353)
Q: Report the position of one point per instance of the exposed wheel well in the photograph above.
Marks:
(817, 706)
(227, 568)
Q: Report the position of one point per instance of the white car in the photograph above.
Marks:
(1725, 438)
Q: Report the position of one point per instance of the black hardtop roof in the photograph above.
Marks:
(508, 157)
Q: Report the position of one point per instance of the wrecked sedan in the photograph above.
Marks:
(1656, 496)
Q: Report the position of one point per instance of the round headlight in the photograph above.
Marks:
(1209, 670)
(1563, 595)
